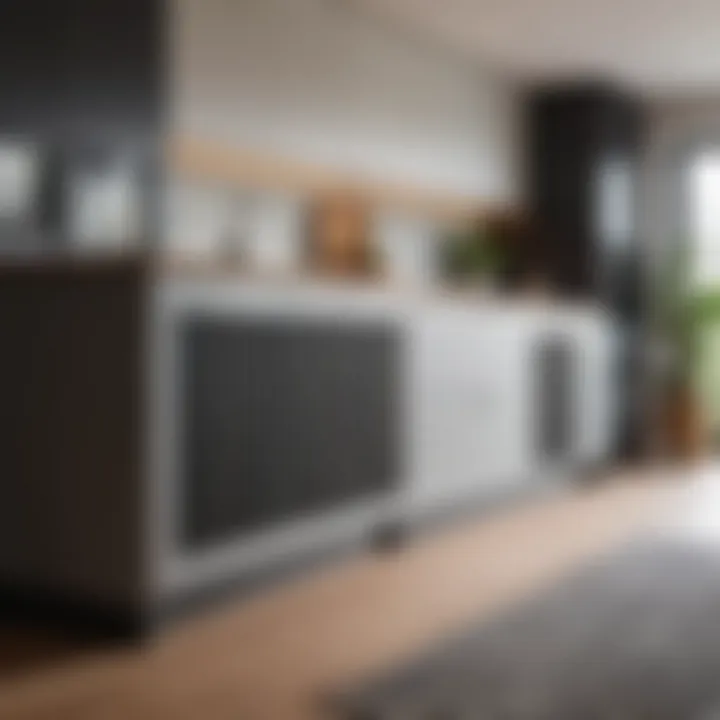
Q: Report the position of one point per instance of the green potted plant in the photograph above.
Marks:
(705, 309)
(473, 257)
(685, 314)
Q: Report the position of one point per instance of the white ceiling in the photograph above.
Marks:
(661, 46)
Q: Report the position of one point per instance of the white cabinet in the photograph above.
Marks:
(474, 420)
(469, 428)
(471, 392)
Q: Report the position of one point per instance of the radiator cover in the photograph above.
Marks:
(283, 418)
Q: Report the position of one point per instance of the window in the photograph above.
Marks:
(705, 219)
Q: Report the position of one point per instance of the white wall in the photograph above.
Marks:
(319, 80)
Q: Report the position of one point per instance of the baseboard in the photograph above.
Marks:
(249, 583)
(27, 605)
(475, 506)
(93, 619)
(390, 536)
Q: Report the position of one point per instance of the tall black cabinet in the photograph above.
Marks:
(584, 148)
(84, 86)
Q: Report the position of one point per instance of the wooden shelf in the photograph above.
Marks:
(214, 162)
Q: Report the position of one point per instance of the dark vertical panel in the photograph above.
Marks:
(84, 78)
(114, 67)
(575, 132)
(71, 431)
(30, 66)
(555, 397)
(560, 175)
(572, 132)
(283, 418)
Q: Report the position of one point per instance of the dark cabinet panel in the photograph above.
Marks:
(114, 67)
(82, 67)
(31, 55)
(585, 142)
(284, 418)
(554, 363)
(80, 79)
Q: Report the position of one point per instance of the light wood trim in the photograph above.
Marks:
(215, 162)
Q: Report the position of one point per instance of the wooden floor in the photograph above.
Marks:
(272, 657)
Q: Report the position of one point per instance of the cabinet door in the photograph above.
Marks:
(470, 403)
(284, 418)
(596, 397)
(555, 365)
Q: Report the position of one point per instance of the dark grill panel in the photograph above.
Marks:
(284, 418)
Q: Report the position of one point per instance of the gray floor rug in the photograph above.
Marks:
(635, 636)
